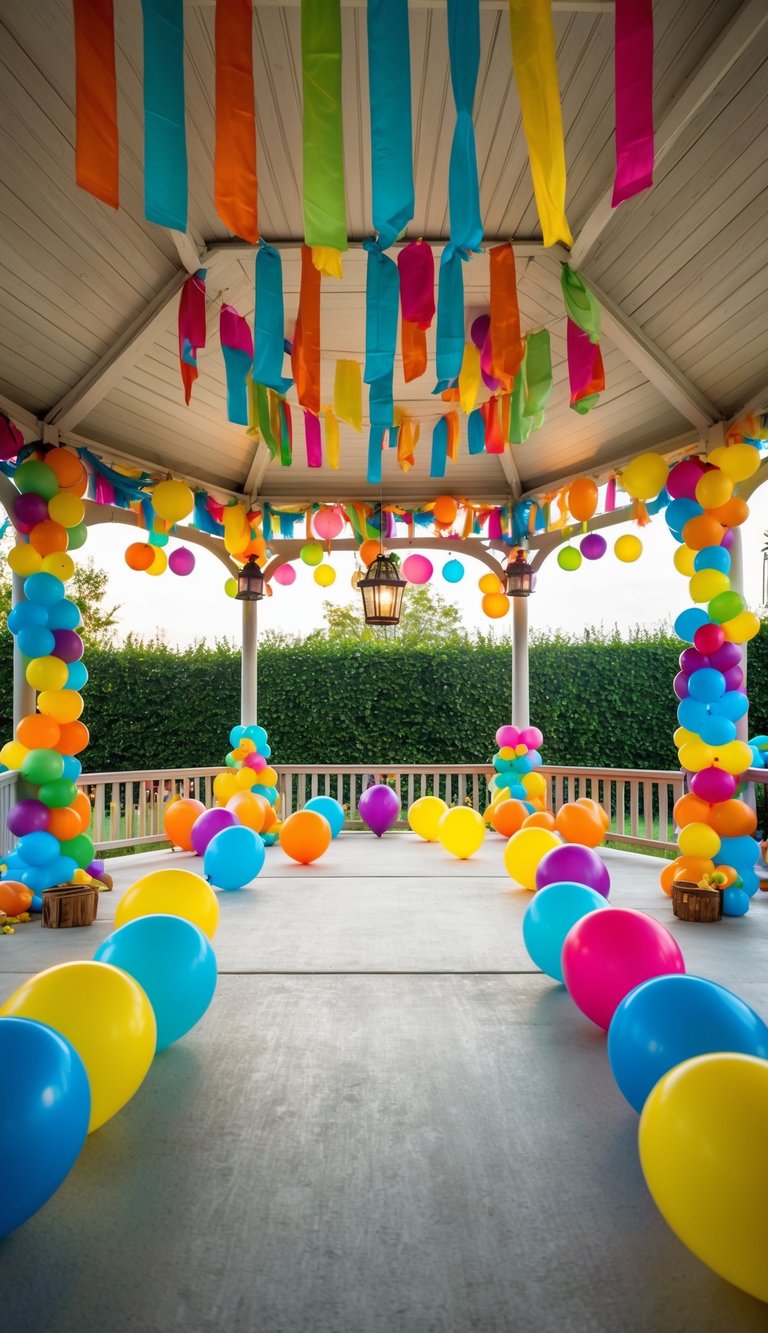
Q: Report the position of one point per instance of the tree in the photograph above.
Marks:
(427, 619)
(88, 589)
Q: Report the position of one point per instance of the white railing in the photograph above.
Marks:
(128, 807)
(8, 784)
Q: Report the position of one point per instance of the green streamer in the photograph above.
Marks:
(580, 304)
(538, 374)
(325, 221)
(265, 423)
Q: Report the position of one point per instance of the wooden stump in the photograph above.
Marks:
(70, 905)
(690, 903)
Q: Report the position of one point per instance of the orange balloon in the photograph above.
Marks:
(733, 513)
(495, 605)
(64, 823)
(248, 809)
(48, 537)
(582, 498)
(66, 465)
(690, 809)
(38, 732)
(702, 531)
(75, 737)
(685, 867)
(83, 807)
(14, 897)
(178, 819)
(139, 555)
(445, 510)
(575, 823)
(541, 819)
(597, 810)
(733, 819)
(305, 835)
(270, 818)
(369, 550)
(508, 816)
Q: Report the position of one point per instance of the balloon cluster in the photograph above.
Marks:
(51, 822)
(515, 763)
(715, 827)
(495, 603)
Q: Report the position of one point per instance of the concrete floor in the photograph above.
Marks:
(386, 1123)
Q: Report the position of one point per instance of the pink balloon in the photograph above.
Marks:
(607, 954)
(682, 480)
(181, 561)
(328, 523)
(285, 574)
(507, 736)
(713, 785)
(255, 761)
(531, 737)
(417, 569)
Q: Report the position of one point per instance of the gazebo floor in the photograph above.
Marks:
(386, 1121)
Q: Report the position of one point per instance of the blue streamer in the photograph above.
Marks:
(450, 318)
(382, 299)
(476, 432)
(463, 185)
(237, 364)
(165, 140)
(204, 520)
(269, 322)
(439, 457)
(521, 516)
(389, 78)
(381, 407)
(375, 441)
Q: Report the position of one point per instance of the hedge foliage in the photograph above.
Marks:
(598, 703)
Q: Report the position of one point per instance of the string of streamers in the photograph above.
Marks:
(506, 340)
(348, 393)
(237, 348)
(269, 321)
(585, 369)
(463, 184)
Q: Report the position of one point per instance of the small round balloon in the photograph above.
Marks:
(379, 807)
(453, 571)
(461, 831)
(325, 575)
(181, 561)
(569, 558)
(425, 815)
(417, 569)
(233, 857)
(331, 810)
(593, 546)
(311, 553)
(628, 548)
(607, 954)
(285, 575)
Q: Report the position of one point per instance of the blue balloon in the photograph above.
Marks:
(36, 905)
(269, 793)
(45, 1106)
(688, 622)
(706, 685)
(548, 918)
(233, 857)
(58, 871)
(742, 853)
(36, 641)
(678, 512)
(330, 810)
(692, 714)
(667, 1020)
(717, 731)
(72, 767)
(735, 902)
(235, 736)
(453, 571)
(173, 961)
(65, 615)
(535, 758)
(266, 751)
(712, 557)
(518, 792)
(25, 615)
(749, 880)
(733, 705)
(38, 849)
(45, 589)
(77, 676)
(524, 764)
(507, 778)
(256, 734)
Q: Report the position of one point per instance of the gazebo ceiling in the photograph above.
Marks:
(88, 297)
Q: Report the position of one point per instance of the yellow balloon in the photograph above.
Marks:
(695, 755)
(707, 583)
(714, 489)
(325, 575)
(159, 562)
(237, 530)
(226, 785)
(267, 777)
(742, 628)
(461, 831)
(525, 850)
(24, 560)
(173, 893)
(534, 784)
(628, 548)
(697, 1138)
(735, 757)
(61, 565)
(682, 736)
(246, 778)
(644, 477)
(683, 560)
(66, 509)
(61, 705)
(698, 840)
(507, 752)
(489, 584)
(230, 587)
(46, 673)
(106, 1016)
(172, 500)
(737, 461)
(246, 746)
(13, 754)
(425, 815)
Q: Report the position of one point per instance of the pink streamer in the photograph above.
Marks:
(104, 491)
(235, 331)
(416, 265)
(313, 440)
(494, 526)
(581, 360)
(191, 328)
(610, 496)
(633, 66)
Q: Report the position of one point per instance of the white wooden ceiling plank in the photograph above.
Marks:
(698, 348)
(134, 433)
(162, 419)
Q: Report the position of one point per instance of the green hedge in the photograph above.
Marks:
(608, 704)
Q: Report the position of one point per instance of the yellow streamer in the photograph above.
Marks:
(331, 438)
(469, 378)
(348, 393)
(253, 412)
(535, 66)
(328, 261)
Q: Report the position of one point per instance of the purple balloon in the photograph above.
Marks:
(734, 678)
(181, 561)
(713, 784)
(593, 546)
(96, 868)
(680, 685)
(726, 657)
(480, 329)
(692, 660)
(208, 824)
(727, 540)
(28, 816)
(574, 864)
(379, 807)
(30, 509)
(69, 645)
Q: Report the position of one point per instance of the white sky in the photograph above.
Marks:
(602, 592)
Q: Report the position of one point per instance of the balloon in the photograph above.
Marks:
(725, 606)
(178, 819)
(688, 622)
(61, 705)
(417, 569)
(83, 807)
(45, 1105)
(66, 509)
(311, 553)
(508, 816)
(27, 816)
(425, 815)
(29, 510)
(305, 835)
(697, 1142)
(735, 757)
(64, 822)
(37, 849)
(727, 656)
(706, 684)
(495, 605)
(230, 587)
(12, 754)
(173, 892)
(540, 819)
(453, 571)
(548, 918)
(732, 705)
(68, 645)
(532, 737)
(577, 823)
(58, 793)
(73, 739)
(369, 550)
(607, 954)
(582, 500)
(172, 500)
(569, 558)
(44, 589)
(64, 615)
(181, 561)
(679, 512)
(708, 639)
(698, 840)
(159, 562)
(645, 476)
(379, 807)
(490, 583)
(593, 546)
(690, 868)
(525, 851)
(26, 614)
(702, 531)
(225, 786)
(15, 897)
(680, 685)
(713, 489)
(35, 476)
(173, 962)
(733, 819)
(233, 857)
(445, 510)
(331, 810)
(324, 576)
(735, 902)
(249, 810)
(80, 849)
(684, 561)
(461, 831)
(742, 627)
(574, 863)
(285, 575)
(684, 477)
(35, 642)
(107, 1018)
(208, 824)
(733, 513)
(708, 584)
(61, 565)
(65, 465)
(24, 560)
(628, 548)
(328, 523)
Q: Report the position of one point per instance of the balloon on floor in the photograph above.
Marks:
(379, 807)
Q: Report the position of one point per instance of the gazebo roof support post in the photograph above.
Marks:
(249, 667)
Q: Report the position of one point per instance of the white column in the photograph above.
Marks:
(23, 692)
(249, 670)
(520, 700)
(737, 583)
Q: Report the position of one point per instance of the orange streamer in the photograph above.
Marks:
(494, 442)
(97, 147)
(235, 185)
(506, 343)
(414, 346)
(305, 358)
(454, 432)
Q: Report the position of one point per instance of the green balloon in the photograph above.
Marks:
(77, 537)
(41, 766)
(80, 848)
(158, 538)
(36, 477)
(725, 606)
(569, 558)
(58, 793)
(312, 553)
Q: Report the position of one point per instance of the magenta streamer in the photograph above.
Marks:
(494, 526)
(313, 440)
(633, 67)
(581, 360)
(416, 265)
(105, 491)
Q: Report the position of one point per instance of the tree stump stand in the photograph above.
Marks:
(70, 905)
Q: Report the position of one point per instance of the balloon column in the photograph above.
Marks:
(515, 763)
(715, 827)
(52, 818)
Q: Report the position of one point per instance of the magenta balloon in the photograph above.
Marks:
(480, 330)
(379, 807)
(208, 824)
(683, 479)
(285, 575)
(328, 523)
(734, 678)
(181, 561)
(726, 657)
(255, 761)
(507, 736)
(727, 539)
(417, 569)
(593, 546)
(30, 509)
(28, 816)
(713, 785)
(575, 864)
(531, 737)
(68, 645)
(680, 685)
(603, 962)
(691, 660)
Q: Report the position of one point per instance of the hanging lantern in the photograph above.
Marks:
(250, 582)
(382, 590)
(519, 577)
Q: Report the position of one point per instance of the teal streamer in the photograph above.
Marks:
(382, 298)
(204, 521)
(165, 139)
(463, 184)
(450, 318)
(269, 322)
(389, 78)
(439, 457)
(375, 441)
(381, 407)
(237, 365)
(476, 432)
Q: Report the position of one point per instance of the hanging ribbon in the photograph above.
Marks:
(325, 221)
(375, 445)
(234, 175)
(305, 360)
(266, 427)
(610, 496)
(389, 80)
(439, 455)
(286, 433)
(313, 439)
(380, 402)
(331, 439)
(269, 321)
(476, 432)
(407, 439)
(165, 140)
(413, 341)
(633, 72)
(494, 443)
(327, 261)
(454, 434)
(382, 293)
(416, 266)
(191, 328)
(520, 426)
(237, 347)
(506, 341)
(97, 146)
(535, 67)
(348, 394)
(580, 304)
(253, 430)
(585, 369)
(463, 184)
(450, 318)
(469, 377)
(538, 373)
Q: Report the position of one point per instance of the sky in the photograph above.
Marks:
(604, 592)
